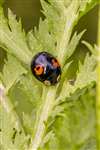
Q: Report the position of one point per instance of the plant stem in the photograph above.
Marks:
(40, 126)
(67, 32)
(98, 87)
(50, 98)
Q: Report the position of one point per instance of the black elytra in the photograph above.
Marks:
(46, 68)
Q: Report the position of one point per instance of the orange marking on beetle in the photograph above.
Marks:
(55, 63)
(39, 69)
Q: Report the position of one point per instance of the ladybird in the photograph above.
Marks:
(46, 68)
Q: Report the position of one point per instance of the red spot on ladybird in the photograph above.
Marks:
(39, 69)
(55, 63)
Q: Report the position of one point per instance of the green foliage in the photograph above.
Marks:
(12, 137)
(85, 76)
(11, 72)
(11, 130)
(13, 37)
(75, 129)
(1, 2)
(34, 116)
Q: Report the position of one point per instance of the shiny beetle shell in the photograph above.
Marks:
(46, 68)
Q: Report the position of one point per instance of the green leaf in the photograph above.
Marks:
(75, 129)
(87, 72)
(12, 37)
(92, 49)
(43, 112)
(85, 76)
(11, 136)
(87, 6)
(11, 131)
(73, 44)
(11, 72)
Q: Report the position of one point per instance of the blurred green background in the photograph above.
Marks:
(30, 12)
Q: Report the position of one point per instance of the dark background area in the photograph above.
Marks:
(28, 10)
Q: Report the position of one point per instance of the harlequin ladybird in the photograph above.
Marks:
(46, 68)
